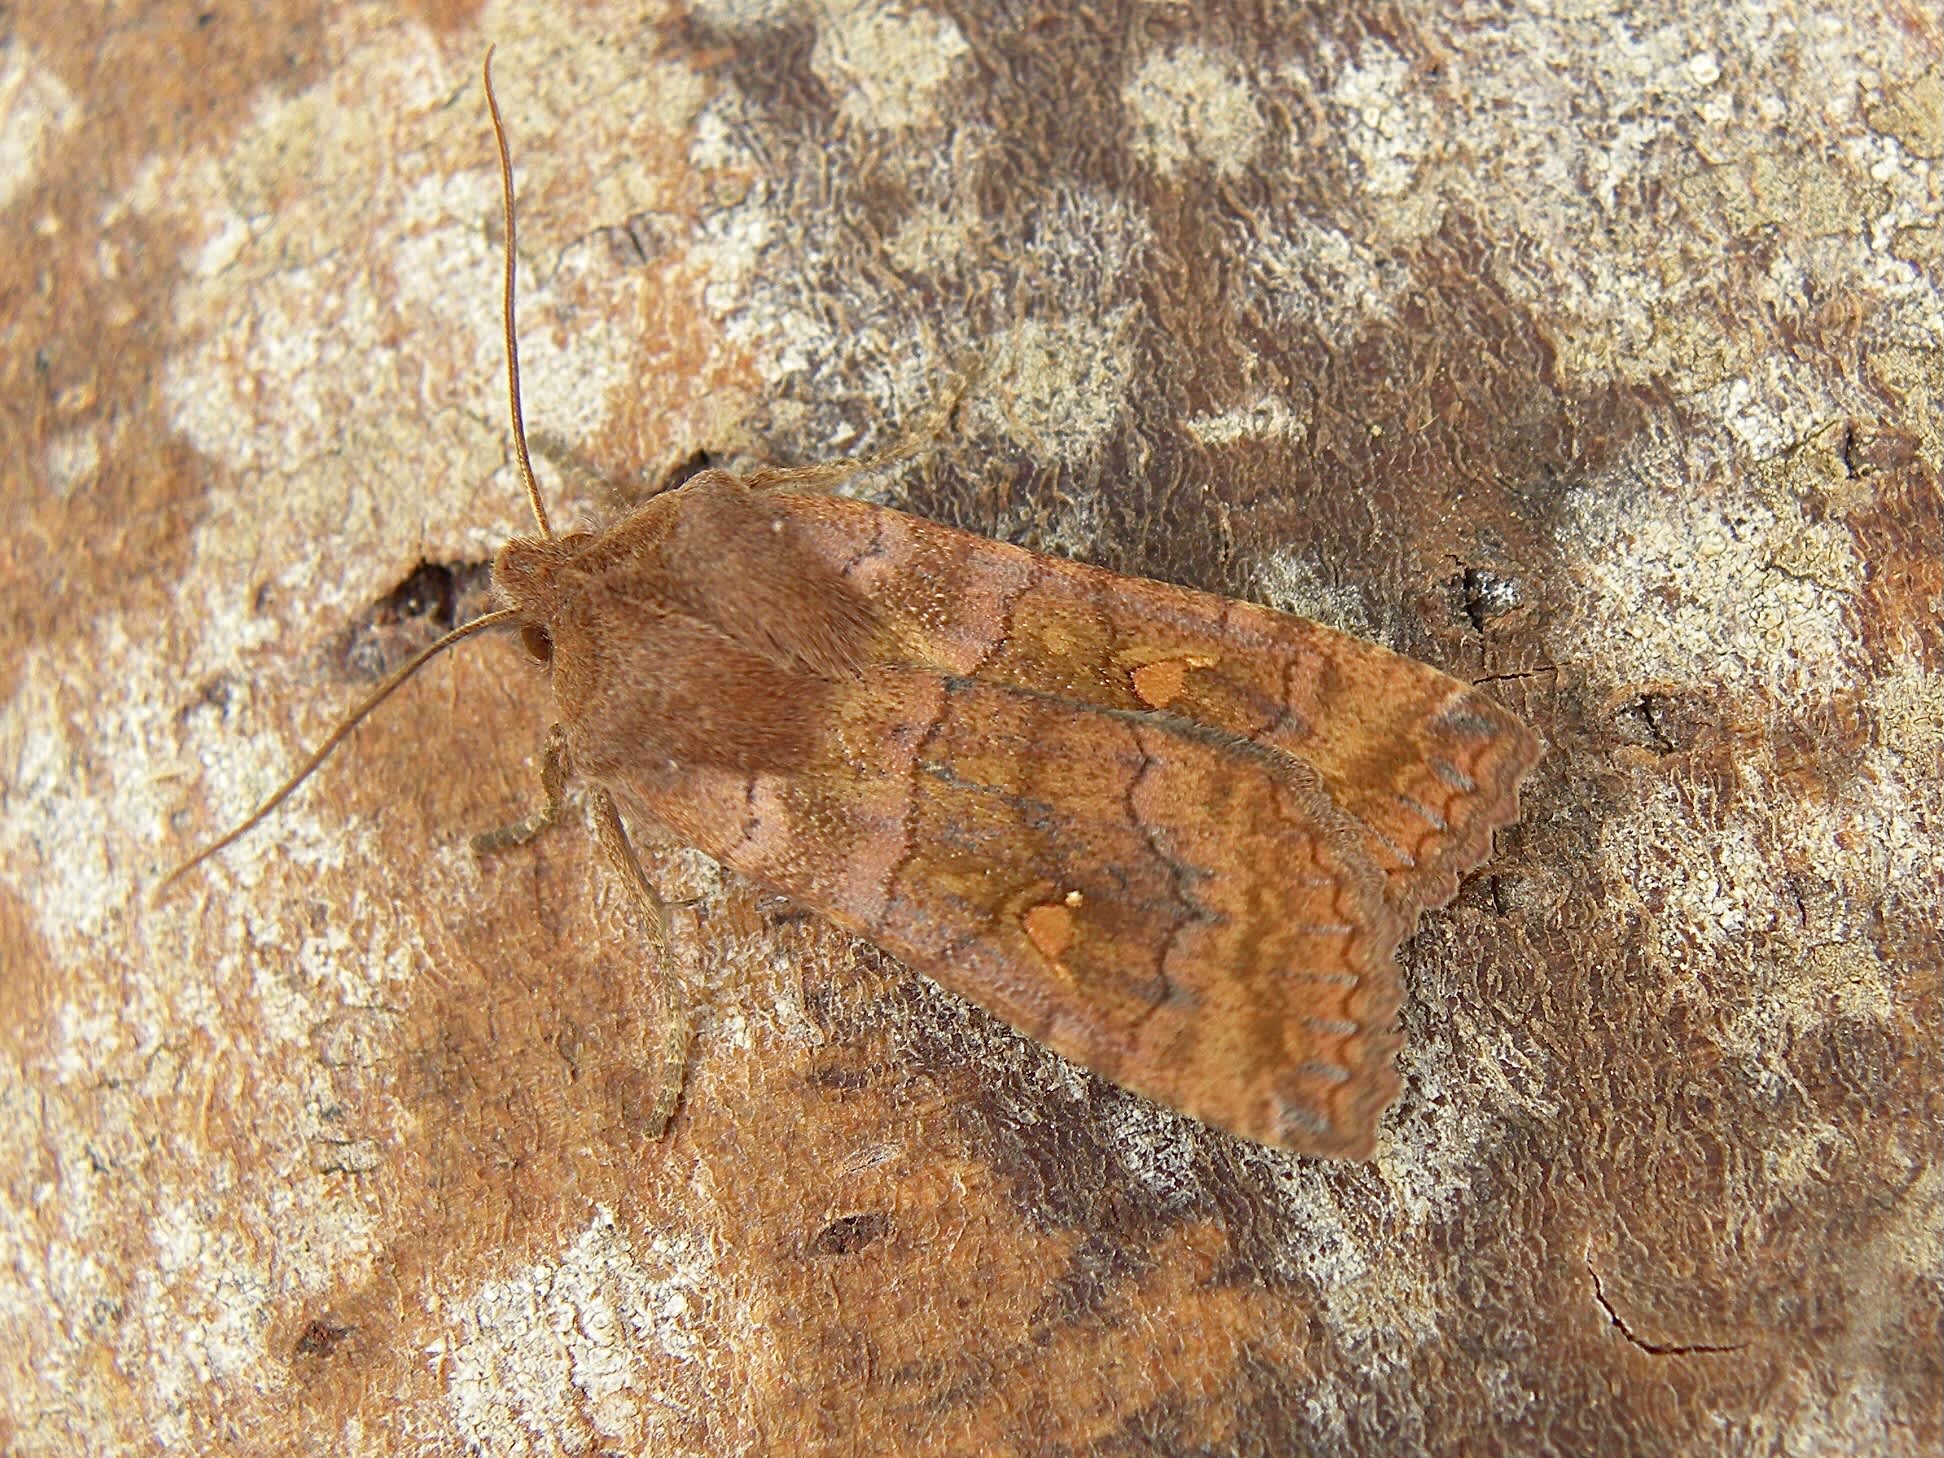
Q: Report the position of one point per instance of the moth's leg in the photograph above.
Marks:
(584, 478)
(673, 1072)
(923, 434)
(619, 853)
(822, 476)
(553, 783)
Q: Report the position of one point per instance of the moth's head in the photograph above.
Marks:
(528, 574)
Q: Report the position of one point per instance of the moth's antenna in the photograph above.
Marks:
(512, 338)
(337, 737)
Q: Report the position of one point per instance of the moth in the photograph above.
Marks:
(1173, 837)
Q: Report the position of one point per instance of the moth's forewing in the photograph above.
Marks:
(1426, 764)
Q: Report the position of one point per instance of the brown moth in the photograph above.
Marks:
(1173, 837)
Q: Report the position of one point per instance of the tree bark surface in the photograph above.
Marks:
(1593, 355)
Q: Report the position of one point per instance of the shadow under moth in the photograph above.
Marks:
(1173, 837)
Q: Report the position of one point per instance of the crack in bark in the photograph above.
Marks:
(1653, 1349)
(1518, 676)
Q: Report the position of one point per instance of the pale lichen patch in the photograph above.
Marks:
(1353, 1267)
(1386, 120)
(1194, 106)
(1766, 921)
(1058, 387)
(72, 459)
(208, 1290)
(930, 238)
(36, 110)
(886, 63)
(342, 351)
(731, 13)
(1265, 418)
(1313, 273)
(1467, 1075)
(599, 1344)
(1694, 152)
(1912, 110)
(1733, 588)
(1294, 582)
(1907, 703)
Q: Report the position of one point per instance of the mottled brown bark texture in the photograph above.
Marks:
(1591, 357)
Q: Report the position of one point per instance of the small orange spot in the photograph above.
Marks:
(1159, 684)
(1156, 684)
(1049, 927)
